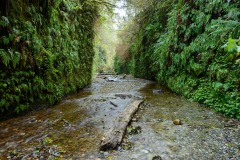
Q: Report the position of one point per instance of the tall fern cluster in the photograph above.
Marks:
(46, 51)
(193, 47)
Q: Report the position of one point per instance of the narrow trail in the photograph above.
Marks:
(74, 128)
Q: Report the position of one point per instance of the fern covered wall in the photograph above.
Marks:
(46, 51)
(193, 47)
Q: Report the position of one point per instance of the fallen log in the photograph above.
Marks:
(114, 136)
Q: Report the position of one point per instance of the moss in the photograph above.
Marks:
(55, 44)
(180, 45)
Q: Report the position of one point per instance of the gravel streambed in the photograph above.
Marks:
(74, 128)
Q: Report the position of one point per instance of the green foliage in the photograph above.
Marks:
(47, 141)
(105, 42)
(117, 65)
(180, 44)
(4, 22)
(46, 52)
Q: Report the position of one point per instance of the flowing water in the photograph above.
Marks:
(73, 129)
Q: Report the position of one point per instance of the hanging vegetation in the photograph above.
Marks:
(46, 51)
(193, 47)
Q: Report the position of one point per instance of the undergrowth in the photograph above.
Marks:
(46, 51)
(193, 47)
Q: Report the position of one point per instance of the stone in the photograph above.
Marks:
(105, 153)
(159, 91)
(177, 122)
(111, 79)
(145, 151)
(134, 120)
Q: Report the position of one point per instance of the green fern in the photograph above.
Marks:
(5, 56)
(190, 45)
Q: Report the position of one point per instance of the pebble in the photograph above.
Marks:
(22, 134)
(134, 156)
(145, 151)
(177, 122)
(134, 120)
(105, 153)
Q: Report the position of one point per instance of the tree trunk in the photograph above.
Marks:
(4, 7)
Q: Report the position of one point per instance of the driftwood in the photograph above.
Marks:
(114, 136)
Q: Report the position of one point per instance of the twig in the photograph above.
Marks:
(112, 103)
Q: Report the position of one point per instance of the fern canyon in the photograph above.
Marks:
(119, 79)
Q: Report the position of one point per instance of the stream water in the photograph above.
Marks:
(73, 129)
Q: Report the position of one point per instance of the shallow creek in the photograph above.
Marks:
(73, 129)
